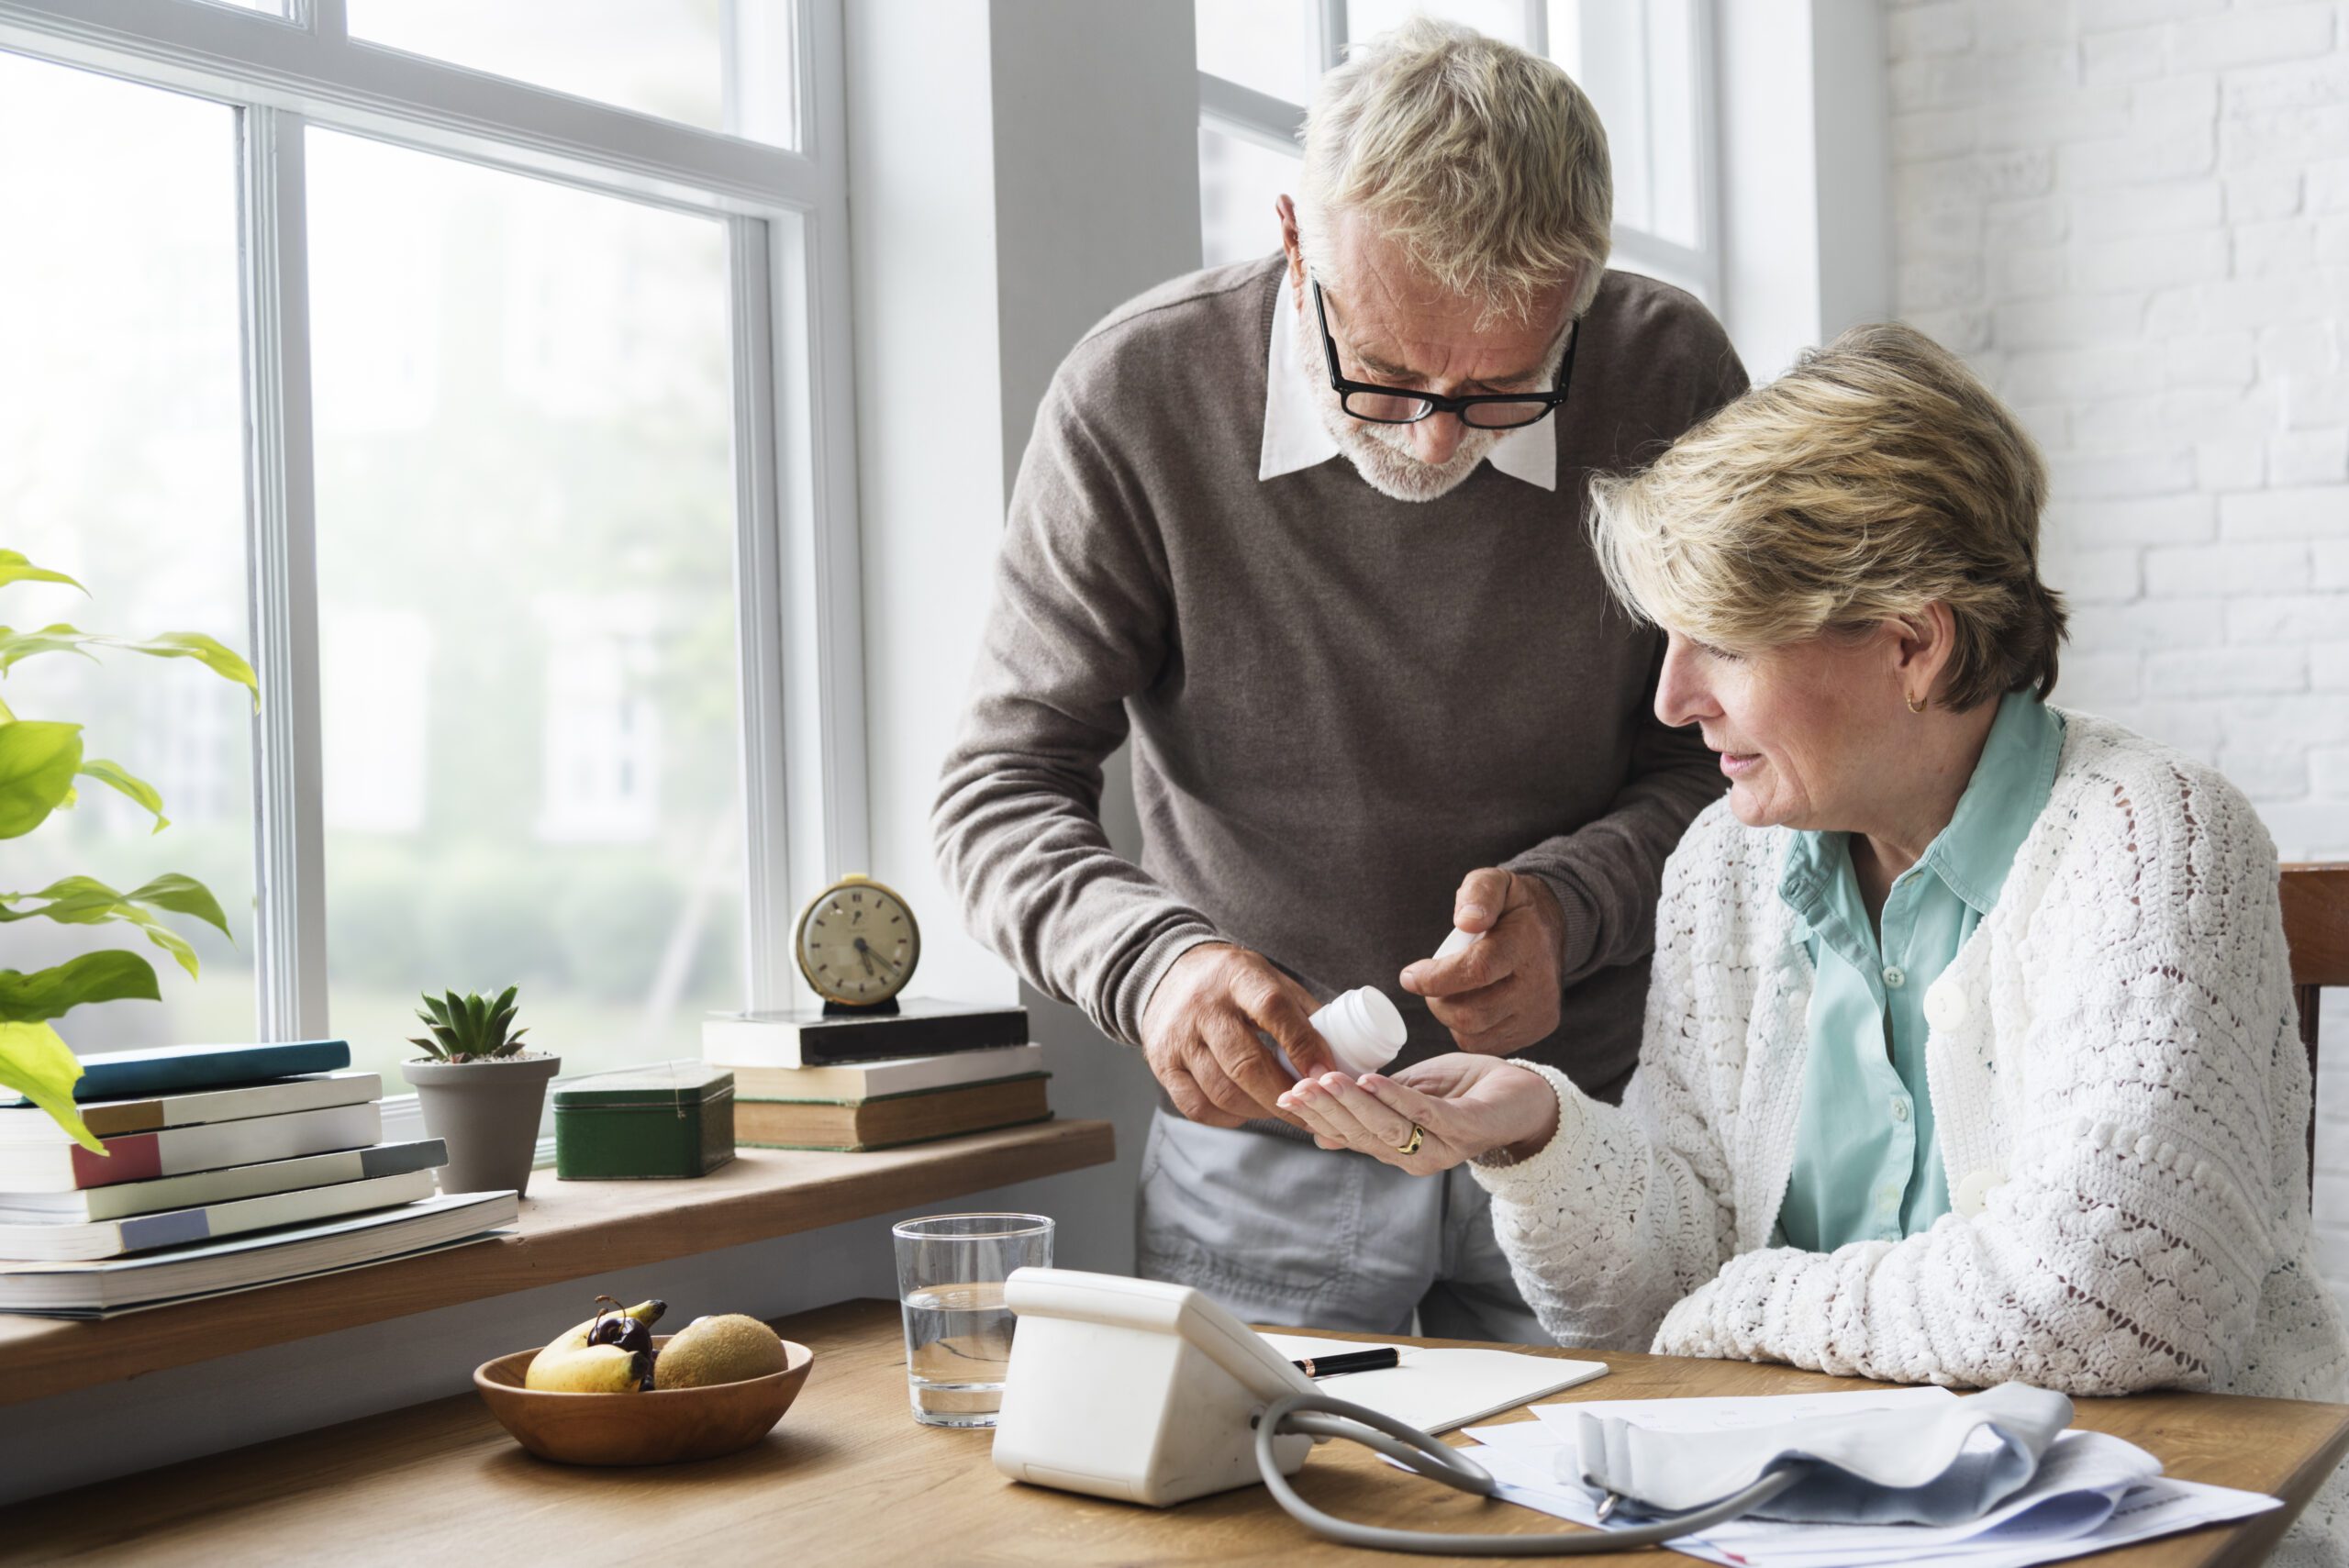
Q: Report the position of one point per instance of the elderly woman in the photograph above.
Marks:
(1970, 1051)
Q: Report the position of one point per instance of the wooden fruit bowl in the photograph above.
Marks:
(663, 1427)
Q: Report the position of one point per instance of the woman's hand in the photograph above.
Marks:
(1465, 1105)
(1689, 1329)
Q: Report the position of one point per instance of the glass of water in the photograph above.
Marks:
(950, 1269)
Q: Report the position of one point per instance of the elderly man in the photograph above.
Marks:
(1307, 531)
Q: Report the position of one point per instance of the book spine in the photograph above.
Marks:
(879, 1039)
(120, 1118)
(204, 1106)
(304, 1093)
(138, 1158)
(214, 1145)
(398, 1159)
(100, 1286)
(892, 1094)
(169, 1229)
(738, 1045)
(257, 1178)
(123, 1200)
(853, 1083)
(905, 1143)
(103, 1080)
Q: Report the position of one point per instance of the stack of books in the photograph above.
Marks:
(808, 1080)
(226, 1167)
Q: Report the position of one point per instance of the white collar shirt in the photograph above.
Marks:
(1294, 437)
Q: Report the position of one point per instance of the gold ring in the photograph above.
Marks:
(1418, 1136)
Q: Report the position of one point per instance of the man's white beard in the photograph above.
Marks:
(1381, 454)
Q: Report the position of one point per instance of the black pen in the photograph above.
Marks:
(1352, 1361)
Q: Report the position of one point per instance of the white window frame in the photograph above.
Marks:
(799, 637)
(1236, 110)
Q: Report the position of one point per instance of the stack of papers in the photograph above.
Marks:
(2093, 1491)
(1436, 1388)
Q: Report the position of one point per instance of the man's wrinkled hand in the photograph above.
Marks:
(1500, 995)
(1200, 1035)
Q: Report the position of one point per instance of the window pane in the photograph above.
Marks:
(719, 64)
(1672, 118)
(525, 604)
(121, 443)
(1272, 46)
(1503, 19)
(1239, 181)
(1637, 61)
(1565, 36)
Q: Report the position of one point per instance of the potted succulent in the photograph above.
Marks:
(480, 1091)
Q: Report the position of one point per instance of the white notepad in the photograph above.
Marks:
(1436, 1388)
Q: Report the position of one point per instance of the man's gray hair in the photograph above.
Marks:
(1485, 163)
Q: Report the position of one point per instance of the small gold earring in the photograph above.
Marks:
(1914, 705)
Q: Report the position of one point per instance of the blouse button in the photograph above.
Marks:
(1973, 1190)
(1900, 1110)
(1894, 977)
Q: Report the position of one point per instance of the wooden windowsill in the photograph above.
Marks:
(567, 1229)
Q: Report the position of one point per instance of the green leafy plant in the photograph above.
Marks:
(39, 761)
(468, 1028)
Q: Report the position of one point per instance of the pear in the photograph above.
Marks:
(571, 1366)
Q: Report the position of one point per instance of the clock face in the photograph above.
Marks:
(858, 943)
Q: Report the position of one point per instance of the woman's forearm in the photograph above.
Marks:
(1539, 1102)
(1604, 1228)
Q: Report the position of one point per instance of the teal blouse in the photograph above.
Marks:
(1867, 1164)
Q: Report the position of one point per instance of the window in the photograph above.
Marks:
(1271, 47)
(1240, 181)
(1646, 65)
(525, 611)
(463, 369)
(718, 66)
(122, 463)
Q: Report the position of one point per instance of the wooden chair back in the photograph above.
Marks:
(2316, 933)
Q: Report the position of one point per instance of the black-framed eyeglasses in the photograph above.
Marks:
(1408, 405)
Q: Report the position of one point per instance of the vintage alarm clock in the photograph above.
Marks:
(857, 943)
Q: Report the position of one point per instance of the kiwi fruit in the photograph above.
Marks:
(729, 1349)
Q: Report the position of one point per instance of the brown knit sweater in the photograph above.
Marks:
(1340, 704)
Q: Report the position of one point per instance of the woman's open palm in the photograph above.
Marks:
(1464, 1104)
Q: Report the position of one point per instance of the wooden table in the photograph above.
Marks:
(849, 1478)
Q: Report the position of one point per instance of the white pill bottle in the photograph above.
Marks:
(1364, 1029)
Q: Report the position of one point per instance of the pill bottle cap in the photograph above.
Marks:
(1457, 941)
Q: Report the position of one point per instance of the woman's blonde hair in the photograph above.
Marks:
(1485, 163)
(1875, 478)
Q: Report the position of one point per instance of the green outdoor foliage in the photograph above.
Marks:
(468, 1028)
(39, 760)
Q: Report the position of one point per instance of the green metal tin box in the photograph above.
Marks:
(676, 1119)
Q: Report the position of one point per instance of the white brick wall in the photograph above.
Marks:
(2132, 217)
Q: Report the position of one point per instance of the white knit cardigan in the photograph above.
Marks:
(2121, 1094)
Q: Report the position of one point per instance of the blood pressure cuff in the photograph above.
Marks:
(1931, 1463)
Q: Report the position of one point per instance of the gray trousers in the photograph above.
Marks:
(1282, 1232)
